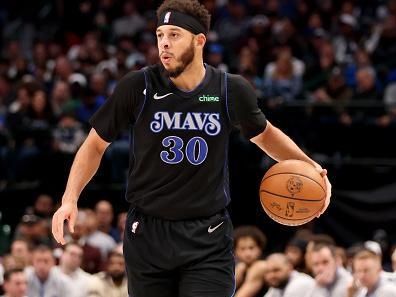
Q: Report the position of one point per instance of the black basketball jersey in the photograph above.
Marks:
(179, 140)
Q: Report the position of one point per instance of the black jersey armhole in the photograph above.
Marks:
(224, 94)
(146, 93)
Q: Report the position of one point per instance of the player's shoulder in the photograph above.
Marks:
(237, 81)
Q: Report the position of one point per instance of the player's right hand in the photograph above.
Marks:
(68, 211)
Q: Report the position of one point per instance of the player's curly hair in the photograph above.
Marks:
(190, 7)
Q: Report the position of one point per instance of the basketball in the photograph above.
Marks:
(292, 192)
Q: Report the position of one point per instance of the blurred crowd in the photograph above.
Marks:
(92, 263)
(60, 60)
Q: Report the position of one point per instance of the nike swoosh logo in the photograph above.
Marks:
(156, 97)
(211, 229)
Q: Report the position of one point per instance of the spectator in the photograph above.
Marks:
(34, 230)
(331, 279)
(92, 258)
(43, 280)
(68, 134)
(295, 252)
(104, 242)
(43, 208)
(21, 252)
(130, 23)
(15, 283)
(112, 282)
(283, 280)
(249, 244)
(365, 85)
(105, 215)
(61, 98)
(367, 277)
(345, 44)
(284, 83)
(70, 267)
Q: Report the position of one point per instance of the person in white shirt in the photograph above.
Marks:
(331, 279)
(283, 280)
(70, 266)
(43, 281)
(367, 271)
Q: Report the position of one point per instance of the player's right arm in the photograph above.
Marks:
(254, 280)
(85, 165)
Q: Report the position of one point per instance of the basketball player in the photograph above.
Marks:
(178, 236)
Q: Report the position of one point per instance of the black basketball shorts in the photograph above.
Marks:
(189, 258)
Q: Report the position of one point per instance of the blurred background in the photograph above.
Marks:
(324, 71)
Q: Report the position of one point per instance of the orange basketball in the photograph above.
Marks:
(292, 192)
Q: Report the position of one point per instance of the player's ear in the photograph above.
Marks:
(200, 40)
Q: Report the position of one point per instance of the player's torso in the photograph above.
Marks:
(180, 139)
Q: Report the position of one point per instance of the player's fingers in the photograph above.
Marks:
(328, 195)
(323, 172)
(72, 221)
(57, 227)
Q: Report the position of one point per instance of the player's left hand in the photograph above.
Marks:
(323, 172)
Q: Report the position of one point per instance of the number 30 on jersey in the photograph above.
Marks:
(195, 151)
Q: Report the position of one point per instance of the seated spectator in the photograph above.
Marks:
(112, 282)
(68, 134)
(92, 258)
(393, 258)
(8, 262)
(34, 230)
(249, 243)
(283, 280)
(15, 283)
(104, 242)
(43, 280)
(314, 240)
(215, 56)
(365, 85)
(336, 94)
(61, 99)
(20, 250)
(367, 271)
(70, 267)
(284, 82)
(295, 252)
(105, 215)
(43, 207)
(331, 279)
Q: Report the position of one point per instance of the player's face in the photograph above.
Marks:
(176, 49)
(247, 250)
(324, 266)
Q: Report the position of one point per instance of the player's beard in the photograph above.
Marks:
(185, 59)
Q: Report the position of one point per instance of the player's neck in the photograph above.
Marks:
(191, 77)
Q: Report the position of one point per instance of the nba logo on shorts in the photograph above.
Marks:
(166, 17)
(134, 226)
(290, 209)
